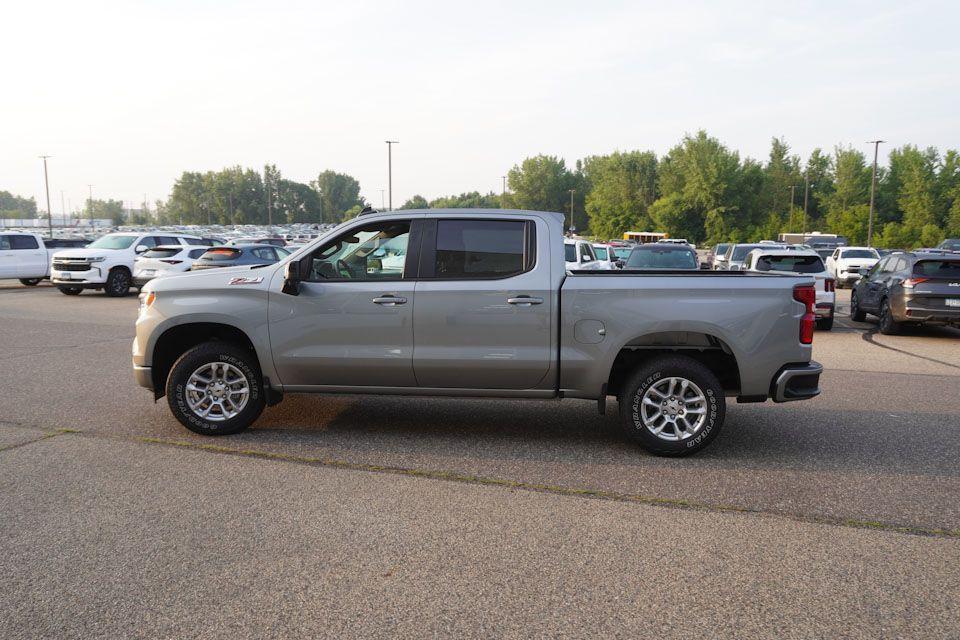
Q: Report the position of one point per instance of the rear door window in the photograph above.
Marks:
(5, 243)
(23, 242)
(469, 249)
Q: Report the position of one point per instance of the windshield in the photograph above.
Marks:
(937, 268)
(794, 264)
(112, 242)
(570, 252)
(662, 258)
(720, 249)
(860, 253)
(601, 253)
(622, 252)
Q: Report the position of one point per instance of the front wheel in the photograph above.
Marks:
(215, 389)
(29, 282)
(672, 406)
(70, 291)
(118, 283)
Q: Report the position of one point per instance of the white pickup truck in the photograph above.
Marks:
(26, 256)
(107, 263)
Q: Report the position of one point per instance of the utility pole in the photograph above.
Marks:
(873, 188)
(320, 202)
(390, 144)
(266, 182)
(806, 200)
(46, 183)
(90, 201)
(63, 207)
(503, 192)
(572, 228)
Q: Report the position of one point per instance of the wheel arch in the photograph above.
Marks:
(178, 339)
(704, 347)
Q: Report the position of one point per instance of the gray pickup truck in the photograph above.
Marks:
(474, 303)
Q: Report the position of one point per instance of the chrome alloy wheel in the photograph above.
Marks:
(217, 391)
(673, 409)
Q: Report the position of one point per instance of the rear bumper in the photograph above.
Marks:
(796, 382)
(906, 309)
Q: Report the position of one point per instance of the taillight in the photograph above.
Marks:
(806, 294)
(172, 261)
(910, 283)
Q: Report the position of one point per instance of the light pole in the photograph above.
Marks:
(390, 144)
(46, 182)
(63, 207)
(90, 200)
(572, 228)
(806, 200)
(503, 192)
(873, 188)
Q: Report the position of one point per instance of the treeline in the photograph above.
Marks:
(244, 196)
(12, 206)
(705, 192)
(700, 190)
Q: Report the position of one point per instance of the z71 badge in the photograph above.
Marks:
(246, 280)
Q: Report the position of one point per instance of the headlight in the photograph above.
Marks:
(97, 259)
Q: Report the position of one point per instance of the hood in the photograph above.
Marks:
(211, 278)
(84, 253)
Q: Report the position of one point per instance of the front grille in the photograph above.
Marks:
(71, 266)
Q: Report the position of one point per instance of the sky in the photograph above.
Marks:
(127, 95)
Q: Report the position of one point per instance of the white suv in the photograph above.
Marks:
(847, 263)
(107, 263)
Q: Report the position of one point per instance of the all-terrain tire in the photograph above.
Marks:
(634, 413)
(179, 396)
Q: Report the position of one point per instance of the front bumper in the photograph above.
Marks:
(848, 276)
(143, 376)
(796, 382)
(93, 277)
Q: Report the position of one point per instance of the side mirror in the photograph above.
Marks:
(291, 278)
(141, 248)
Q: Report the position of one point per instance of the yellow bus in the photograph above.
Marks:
(644, 237)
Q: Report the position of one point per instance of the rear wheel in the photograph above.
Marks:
(825, 324)
(888, 326)
(70, 291)
(30, 282)
(215, 389)
(118, 283)
(856, 313)
(672, 406)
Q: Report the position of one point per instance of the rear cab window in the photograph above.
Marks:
(793, 263)
(23, 243)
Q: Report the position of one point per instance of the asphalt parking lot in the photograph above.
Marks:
(377, 517)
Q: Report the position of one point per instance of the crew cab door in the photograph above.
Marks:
(351, 324)
(482, 317)
(8, 258)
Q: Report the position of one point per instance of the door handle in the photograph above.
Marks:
(389, 301)
(525, 301)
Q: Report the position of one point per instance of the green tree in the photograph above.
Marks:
(622, 188)
(913, 174)
(339, 193)
(470, 200)
(698, 179)
(543, 183)
(847, 208)
(416, 202)
(12, 206)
